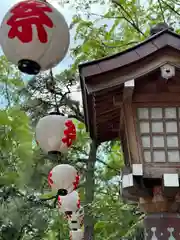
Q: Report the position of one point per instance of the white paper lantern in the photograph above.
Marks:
(63, 178)
(77, 235)
(80, 215)
(34, 35)
(73, 222)
(55, 133)
(69, 203)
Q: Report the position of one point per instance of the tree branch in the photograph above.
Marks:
(108, 166)
(131, 21)
(171, 8)
(162, 12)
(102, 16)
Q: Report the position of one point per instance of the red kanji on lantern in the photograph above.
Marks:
(50, 181)
(70, 133)
(78, 203)
(59, 201)
(70, 236)
(76, 182)
(25, 15)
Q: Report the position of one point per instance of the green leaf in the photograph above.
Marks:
(48, 195)
(81, 125)
(99, 225)
(4, 118)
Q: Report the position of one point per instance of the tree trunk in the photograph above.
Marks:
(89, 193)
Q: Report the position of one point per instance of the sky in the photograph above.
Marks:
(68, 14)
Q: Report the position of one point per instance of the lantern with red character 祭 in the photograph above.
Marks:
(34, 35)
(64, 179)
(69, 203)
(55, 133)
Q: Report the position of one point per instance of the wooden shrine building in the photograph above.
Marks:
(134, 97)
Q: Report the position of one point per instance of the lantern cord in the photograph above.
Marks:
(51, 198)
(53, 85)
(47, 199)
(55, 200)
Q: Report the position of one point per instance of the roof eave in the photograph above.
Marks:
(95, 66)
(130, 49)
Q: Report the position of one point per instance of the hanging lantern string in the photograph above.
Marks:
(52, 88)
(54, 92)
(55, 200)
(74, 104)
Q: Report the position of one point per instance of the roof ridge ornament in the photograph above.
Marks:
(160, 27)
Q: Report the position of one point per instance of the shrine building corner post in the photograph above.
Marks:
(134, 97)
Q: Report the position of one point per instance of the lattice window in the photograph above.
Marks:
(159, 130)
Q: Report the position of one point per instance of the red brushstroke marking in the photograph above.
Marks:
(70, 133)
(27, 14)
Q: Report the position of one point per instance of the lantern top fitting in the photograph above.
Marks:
(143, 73)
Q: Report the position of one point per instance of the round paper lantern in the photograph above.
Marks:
(34, 35)
(80, 215)
(63, 178)
(69, 203)
(74, 222)
(55, 133)
(77, 235)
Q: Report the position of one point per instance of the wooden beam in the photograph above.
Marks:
(170, 184)
(116, 103)
(145, 98)
(129, 83)
(119, 104)
(156, 170)
(137, 169)
(130, 127)
(94, 120)
(108, 112)
(127, 98)
(121, 127)
(128, 90)
(132, 189)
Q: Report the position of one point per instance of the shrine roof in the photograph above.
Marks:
(102, 81)
(130, 55)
